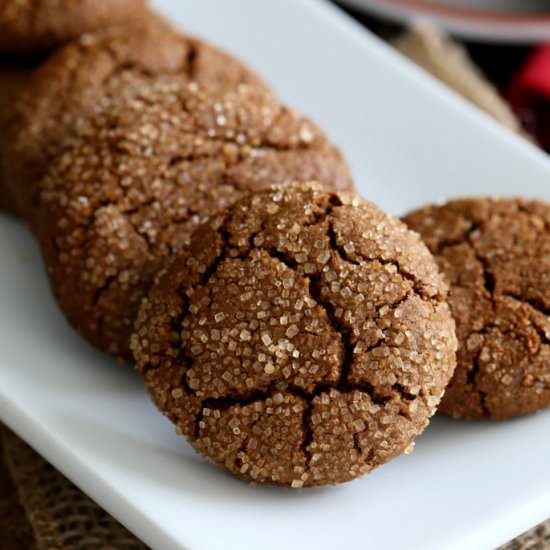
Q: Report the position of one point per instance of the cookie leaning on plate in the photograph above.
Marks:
(496, 256)
(80, 77)
(144, 173)
(302, 338)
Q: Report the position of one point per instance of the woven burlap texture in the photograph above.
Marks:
(62, 516)
(15, 529)
(535, 539)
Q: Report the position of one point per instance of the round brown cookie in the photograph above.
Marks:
(301, 339)
(496, 256)
(30, 27)
(144, 173)
(12, 78)
(78, 79)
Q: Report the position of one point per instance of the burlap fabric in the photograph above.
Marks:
(15, 529)
(535, 539)
(41, 510)
(58, 515)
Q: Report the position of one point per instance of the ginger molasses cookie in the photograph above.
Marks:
(31, 27)
(301, 339)
(79, 78)
(144, 173)
(496, 256)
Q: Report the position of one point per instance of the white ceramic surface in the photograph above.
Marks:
(507, 21)
(467, 486)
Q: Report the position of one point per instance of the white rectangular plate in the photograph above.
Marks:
(409, 141)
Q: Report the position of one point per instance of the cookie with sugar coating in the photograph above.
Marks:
(302, 338)
(495, 254)
(81, 77)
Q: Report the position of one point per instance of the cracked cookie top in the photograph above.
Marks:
(33, 27)
(496, 257)
(144, 172)
(302, 338)
(82, 77)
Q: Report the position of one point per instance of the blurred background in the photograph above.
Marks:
(496, 53)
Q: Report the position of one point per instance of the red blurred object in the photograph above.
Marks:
(529, 94)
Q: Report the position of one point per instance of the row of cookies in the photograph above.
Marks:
(114, 159)
(304, 337)
(93, 75)
(299, 337)
(116, 186)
